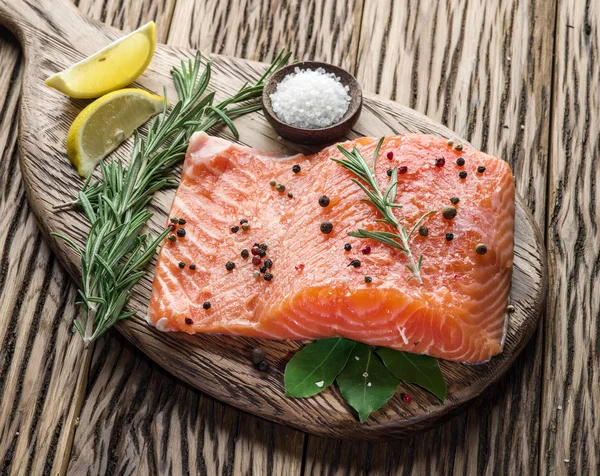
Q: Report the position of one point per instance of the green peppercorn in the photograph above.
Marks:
(450, 142)
(510, 309)
(458, 147)
(229, 265)
(455, 200)
(272, 183)
(174, 220)
(172, 238)
(449, 212)
(481, 249)
(280, 187)
(256, 274)
(423, 230)
(245, 227)
(326, 227)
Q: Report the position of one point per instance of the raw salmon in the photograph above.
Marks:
(459, 312)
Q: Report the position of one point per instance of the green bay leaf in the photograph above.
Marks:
(365, 383)
(421, 370)
(316, 366)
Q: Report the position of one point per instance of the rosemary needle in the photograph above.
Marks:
(384, 202)
(116, 251)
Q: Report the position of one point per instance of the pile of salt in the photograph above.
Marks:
(310, 99)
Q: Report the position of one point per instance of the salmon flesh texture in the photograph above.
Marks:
(458, 314)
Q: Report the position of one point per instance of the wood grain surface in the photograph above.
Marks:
(216, 364)
(499, 435)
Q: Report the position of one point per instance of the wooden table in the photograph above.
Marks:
(519, 79)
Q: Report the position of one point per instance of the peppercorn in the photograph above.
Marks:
(174, 220)
(258, 355)
(454, 200)
(280, 187)
(326, 227)
(388, 172)
(450, 142)
(245, 227)
(458, 147)
(440, 162)
(366, 250)
(272, 183)
(368, 279)
(510, 308)
(192, 267)
(263, 366)
(181, 264)
(347, 246)
(290, 195)
(181, 221)
(268, 276)
(449, 212)
(355, 263)
(463, 174)
(254, 250)
(481, 249)
(206, 305)
(324, 201)
(460, 161)
(256, 274)
(245, 253)
(181, 232)
(263, 269)
(243, 220)
(449, 236)
(406, 397)
(423, 230)
(263, 246)
(269, 263)
(256, 260)
(172, 238)
(261, 252)
(296, 169)
(188, 321)
(229, 265)
(390, 155)
(235, 229)
(403, 169)
(481, 169)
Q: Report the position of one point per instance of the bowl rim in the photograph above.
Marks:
(353, 107)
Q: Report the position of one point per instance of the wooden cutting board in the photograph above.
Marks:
(54, 35)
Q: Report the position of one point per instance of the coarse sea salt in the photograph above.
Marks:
(310, 99)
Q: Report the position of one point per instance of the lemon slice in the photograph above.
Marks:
(112, 68)
(106, 123)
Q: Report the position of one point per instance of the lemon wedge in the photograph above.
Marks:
(112, 68)
(106, 123)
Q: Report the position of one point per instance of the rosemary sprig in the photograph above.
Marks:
(384, 202)
(116, 250)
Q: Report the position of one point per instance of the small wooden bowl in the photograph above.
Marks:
(314, 136)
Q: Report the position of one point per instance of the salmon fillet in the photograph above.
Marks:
(458, 313)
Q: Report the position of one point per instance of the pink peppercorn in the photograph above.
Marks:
(406, 397)
(299, 267)
(390, 155)
(440, 162)
(403, 169)
(366, 250)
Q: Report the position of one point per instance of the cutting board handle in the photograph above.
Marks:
(32, 20)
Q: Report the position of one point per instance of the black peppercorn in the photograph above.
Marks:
(481, 249)
(229, 265)
(263, 366)
(268, 276)
(347, 246)
(235, 229)
(355, 263)
(206, 305)
(463, 174)
(192, 267)
(455, 200)
(481, 169)
(296, 169)
(449, 236)
(181, 264)
(368, 279)
(181, 232)
(245, 253)
(388, 172)
(258, 355)
(269, 263)
(449, 212)
(460, 161)
(326, 227)
(423, 230)
(181, 221)
(243, 220)
(188, 321)
(261, 252)
(324, 201)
